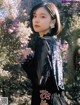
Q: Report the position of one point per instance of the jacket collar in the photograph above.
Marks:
(49, 35)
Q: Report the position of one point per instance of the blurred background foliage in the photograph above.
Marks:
(15, 32)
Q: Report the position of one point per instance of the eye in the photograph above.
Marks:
(34, 16)
(43, 16)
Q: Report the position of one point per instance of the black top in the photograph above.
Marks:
(39, 71)
(76, 58)
(43, 92)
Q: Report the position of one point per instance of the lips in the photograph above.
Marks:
(37, 26)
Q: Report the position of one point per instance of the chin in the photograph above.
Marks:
(37, 31)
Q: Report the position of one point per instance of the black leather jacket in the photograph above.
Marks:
(47, 59)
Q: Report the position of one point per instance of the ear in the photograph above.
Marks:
(52, 24)
(53, 21)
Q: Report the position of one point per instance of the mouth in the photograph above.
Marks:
(36, 26)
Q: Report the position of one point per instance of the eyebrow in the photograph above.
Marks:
(40, 14)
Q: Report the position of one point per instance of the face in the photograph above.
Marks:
(41, 21)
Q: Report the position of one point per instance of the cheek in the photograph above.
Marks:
(46, 23)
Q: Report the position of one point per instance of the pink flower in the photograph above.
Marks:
(10, 30)
(2, 20)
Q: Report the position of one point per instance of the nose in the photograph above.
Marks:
(37, 19)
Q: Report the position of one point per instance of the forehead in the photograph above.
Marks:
(41, 10)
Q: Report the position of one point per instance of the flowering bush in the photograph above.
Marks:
(13, 80)
(64, 46)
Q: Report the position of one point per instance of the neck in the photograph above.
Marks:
(42, 34)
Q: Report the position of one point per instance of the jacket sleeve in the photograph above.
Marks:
(57, 64)
(43, 70)
(58, 67)
(28, 67)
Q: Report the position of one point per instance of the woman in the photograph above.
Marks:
(44, 66)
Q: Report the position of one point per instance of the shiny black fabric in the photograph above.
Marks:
(76, 59)
(44, 68)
